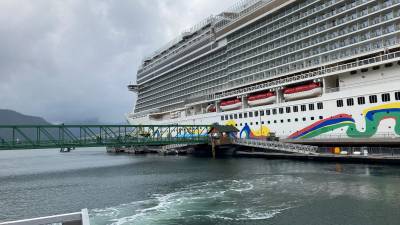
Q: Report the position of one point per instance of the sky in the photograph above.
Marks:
(71, 60)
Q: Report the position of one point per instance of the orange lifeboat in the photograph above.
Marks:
(261, 99)
(303, 91)
(227, 105)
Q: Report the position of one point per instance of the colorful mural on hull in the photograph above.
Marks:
(247, 132)
(373, 116)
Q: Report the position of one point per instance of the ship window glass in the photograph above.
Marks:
(320, 105)
(295, 108)
(235, 116)
(303, 108)
(250, 114)
(373, 99)
(350, 102)
(274, 121)
(269, 122)
(304, 119)
(361, 100)
(312, 118)
(280, 110)
(241, 124)
(274, 111)
(339, 103)
(288, 120)
(311, 107)
(389, 65)
(256, 113)
(297, 120)
(268, 112)
(251, 123)
(281, 121)
(397, 96)
(262, 113)
(240, 116)
(226, 117)
(245, 115)
(256, 123)
(287, 109)
(222, 117)
(262, 122)
(385, 97)
(321, 117)
(231, 117)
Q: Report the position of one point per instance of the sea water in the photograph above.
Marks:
(128, 189)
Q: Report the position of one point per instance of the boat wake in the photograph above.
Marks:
(225, 200)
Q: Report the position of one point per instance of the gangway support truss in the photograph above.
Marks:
(277, 146)
(70, 136)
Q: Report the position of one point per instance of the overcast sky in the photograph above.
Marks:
(70, 60)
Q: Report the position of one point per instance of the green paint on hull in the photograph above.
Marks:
(371, 126)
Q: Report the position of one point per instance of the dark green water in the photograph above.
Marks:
(185, 190)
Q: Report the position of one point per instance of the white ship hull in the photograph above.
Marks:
(351, 121)
(348, 51)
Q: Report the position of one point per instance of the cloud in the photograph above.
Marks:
(71, 60)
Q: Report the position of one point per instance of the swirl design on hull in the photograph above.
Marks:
(373, 117)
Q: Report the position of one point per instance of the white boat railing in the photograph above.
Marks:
(77, 218)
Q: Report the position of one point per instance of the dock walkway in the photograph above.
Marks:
(277, 146)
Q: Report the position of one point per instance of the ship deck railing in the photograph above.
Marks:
(77, 218)
(323, 71)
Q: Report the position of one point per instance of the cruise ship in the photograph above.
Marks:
(304, 70)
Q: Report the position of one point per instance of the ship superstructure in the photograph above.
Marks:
(301, 69)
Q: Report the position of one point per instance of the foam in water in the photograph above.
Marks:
(222, 199)
(230, 200)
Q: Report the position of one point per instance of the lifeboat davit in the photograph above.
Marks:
(261, 99)
(231, 104)
(303, 91)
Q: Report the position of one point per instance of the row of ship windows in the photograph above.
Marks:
(301, 49)
(385, 97)
(350, 102)
(182, 91)
(282, 14)
(270, 33)
(163, 57)
(220, 81)
(256, 60)
(207, 79)
(205, 62)
(312, 118)
(282, 110)
(220, 53)
(277, 62)
(249, 76)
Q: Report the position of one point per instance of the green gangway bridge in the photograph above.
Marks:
(75, 136)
